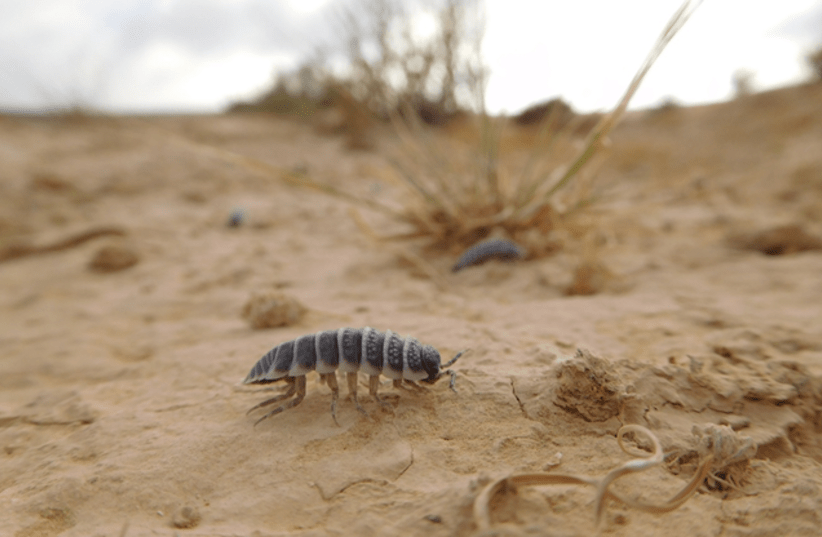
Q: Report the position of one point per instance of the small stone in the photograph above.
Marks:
(780, 240)
(236, 218)
(272, 309)
(113, 258)
(186, 517)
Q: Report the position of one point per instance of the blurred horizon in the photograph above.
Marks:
(181, 56)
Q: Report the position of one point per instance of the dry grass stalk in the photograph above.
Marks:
(482, 510)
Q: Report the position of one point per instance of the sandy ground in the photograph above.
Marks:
(123, 344)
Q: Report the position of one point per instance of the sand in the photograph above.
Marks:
(124, 342)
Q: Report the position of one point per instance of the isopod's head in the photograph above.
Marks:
(431, 363)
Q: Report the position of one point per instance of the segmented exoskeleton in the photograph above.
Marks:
(352, 351)
(490, 249)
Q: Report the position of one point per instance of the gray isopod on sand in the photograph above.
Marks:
(353, 351)
(491, 249)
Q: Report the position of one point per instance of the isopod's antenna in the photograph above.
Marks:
(450, 362)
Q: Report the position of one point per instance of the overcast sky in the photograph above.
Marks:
(200, 55)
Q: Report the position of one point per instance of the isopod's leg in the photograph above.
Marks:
(373, 384)
(416, 386)
(352, 391)
(453, 383)
(331, 380)
(292, 389)
(405, 383)
(300, 386)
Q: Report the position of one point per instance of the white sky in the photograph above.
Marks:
(200, 55)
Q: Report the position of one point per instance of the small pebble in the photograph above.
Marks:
(236, 218)
(272, 309)
(186, 517)
(113, 258)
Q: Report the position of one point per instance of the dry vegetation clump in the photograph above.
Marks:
(453, 202)
(300, 93)
(390, 72)
(559, 109)
(743, 82)
(459, 191)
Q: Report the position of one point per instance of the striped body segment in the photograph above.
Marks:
(351, 351)
(363, 350)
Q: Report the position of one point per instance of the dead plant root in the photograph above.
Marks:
(482, 509)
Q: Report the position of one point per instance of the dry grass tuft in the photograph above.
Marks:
(456, 198)
(456, 191)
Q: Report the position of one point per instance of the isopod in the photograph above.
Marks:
(352, 351)
(490, 249)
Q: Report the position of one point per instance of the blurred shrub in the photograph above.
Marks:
(298, 93)
(743, 82)
(556, 110)
(453, 197)
(393, 68)
(384, 68)
(815, 61)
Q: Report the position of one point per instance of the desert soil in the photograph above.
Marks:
(124, 344)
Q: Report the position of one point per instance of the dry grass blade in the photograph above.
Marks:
(482, 515)
(607, 124)
(531, 177)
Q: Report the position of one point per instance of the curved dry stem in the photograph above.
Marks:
(482, 516)
(646, 461)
